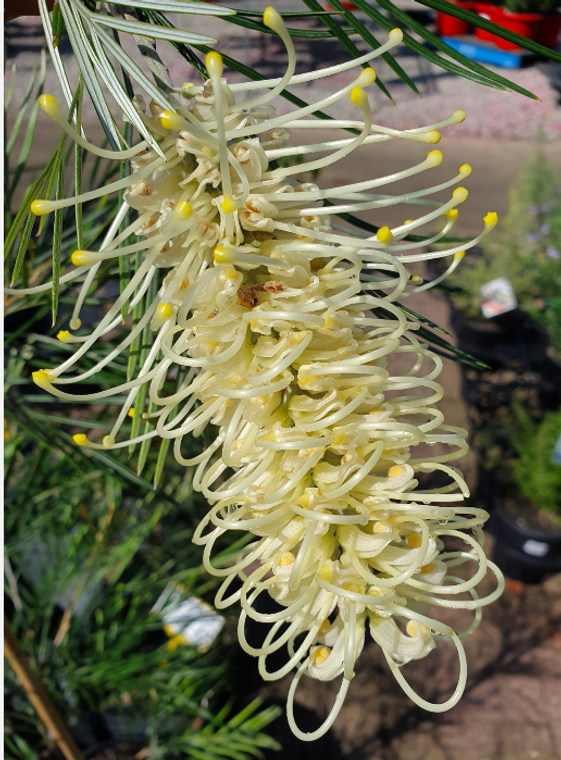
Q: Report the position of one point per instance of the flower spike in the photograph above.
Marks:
(281, 331)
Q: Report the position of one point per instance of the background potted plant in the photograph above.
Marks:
(534, 19)
(526, 517)
(521, 347)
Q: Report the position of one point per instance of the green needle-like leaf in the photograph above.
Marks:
(374, 44)
(78, 162)
(58, 25)
(344, 39)
(472, 70)
(309, 34)
(57, 232)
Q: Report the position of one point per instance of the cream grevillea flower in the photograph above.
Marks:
(278, 326)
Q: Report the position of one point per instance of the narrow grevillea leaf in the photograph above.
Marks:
(344, 39)
(465, 360)
(23, 248)
(150, 30)
(140, 400)
(145, 445)
(58, 25)
(29, 131)
(178, 6)
(124, 261)
(34, 191)
(419, 48)
(424, 320)
(52, 177)
(454, 353)
(134, 348)
(78, 162)
(21, 113)
(308, 34)
(57, 232)
(54, 52)
(475, 71)
(10, 89)
(369, 38)
(160, 464)
(80, 47)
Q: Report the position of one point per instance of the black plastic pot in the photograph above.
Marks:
(508, 337)
(521, 553)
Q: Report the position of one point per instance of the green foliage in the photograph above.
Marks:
(88, 557)
(526, 249)
(535, 476)
(531, 6)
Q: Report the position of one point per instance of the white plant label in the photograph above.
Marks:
(497, 297)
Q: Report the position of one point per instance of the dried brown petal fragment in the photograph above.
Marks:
(247, 294)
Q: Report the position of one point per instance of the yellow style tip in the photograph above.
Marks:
(396, 35)
(491, 219)
(221, 255)
(80, 258)
(358, 96)
(40, 207)
(183, 210)
(272, 19)
(459, 116)
(80, 439)
(366, 77)
(460, 194)
(63, 336)
(172, 121)
(452, 214)
(131, 412)
(75, 324)
(459, 255)
(433, 137)
(434, 158)
(384, 235)
(165, 310)
(163, 313)
(228, 206)
(465, 169)
(50, 106)
(108, 442)
(41, 378)
(214, 63)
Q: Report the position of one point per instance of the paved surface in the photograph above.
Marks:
(512, 708)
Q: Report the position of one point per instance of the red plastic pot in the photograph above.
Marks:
(488, 12)
(548, 29)
(450, 26)
(524, 24)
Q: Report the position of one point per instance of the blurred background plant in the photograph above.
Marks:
(532, 470)
(526, 249)
(90, 548)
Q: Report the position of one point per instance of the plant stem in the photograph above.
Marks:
(38, 696)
